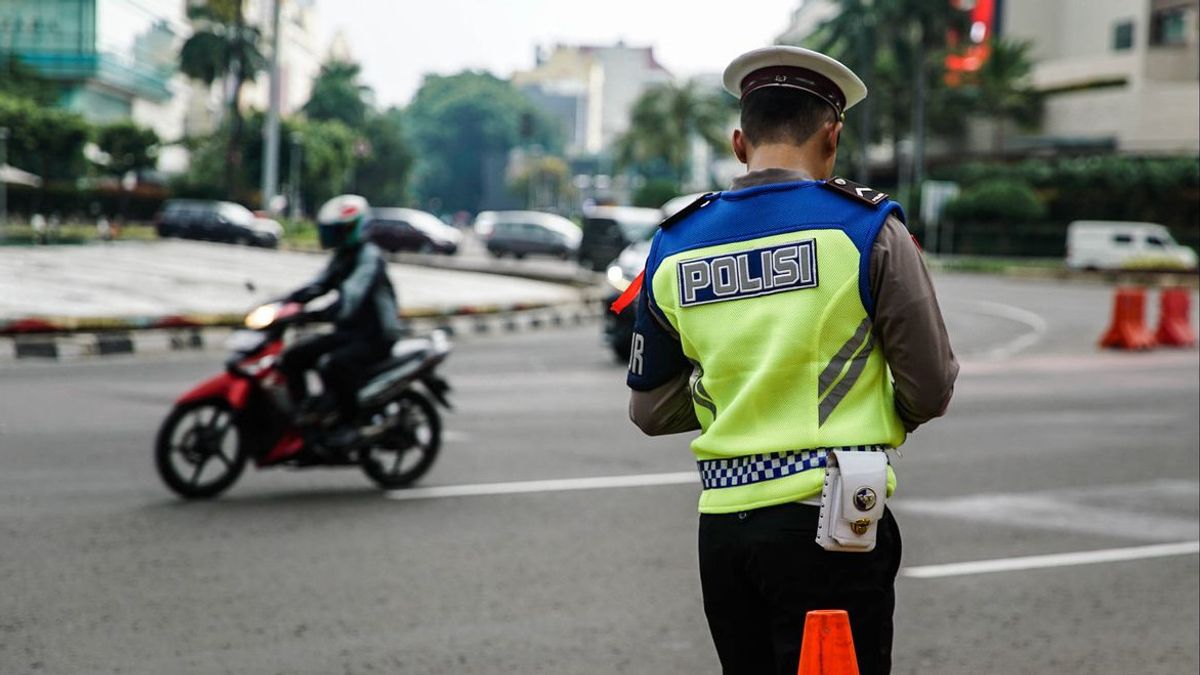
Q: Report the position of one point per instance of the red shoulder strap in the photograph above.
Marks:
(630, 293)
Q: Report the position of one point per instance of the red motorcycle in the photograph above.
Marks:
(246, 414)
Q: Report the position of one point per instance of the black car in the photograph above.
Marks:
(216, 221)
(397, 229)
(618, 328)
(607, 230)
(522, 233)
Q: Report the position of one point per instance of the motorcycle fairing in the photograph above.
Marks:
(225, 386)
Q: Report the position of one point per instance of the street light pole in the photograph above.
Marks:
(270, 164)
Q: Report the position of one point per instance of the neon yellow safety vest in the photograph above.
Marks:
(767, 289)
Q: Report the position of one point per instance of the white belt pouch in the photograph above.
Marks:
(852, 500)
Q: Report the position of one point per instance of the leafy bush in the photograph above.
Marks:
(1153, 189)
(997, 201)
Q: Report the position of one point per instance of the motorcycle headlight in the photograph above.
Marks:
(617, 278)
(262, 317)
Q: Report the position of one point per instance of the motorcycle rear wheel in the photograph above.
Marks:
(194, 437)
(406, 453)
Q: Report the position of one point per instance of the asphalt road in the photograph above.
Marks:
(1050, 447)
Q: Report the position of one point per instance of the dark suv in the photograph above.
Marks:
(607, 230)
(216, 221)
(522, 233)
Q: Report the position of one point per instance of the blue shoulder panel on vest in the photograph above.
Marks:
(772, 209)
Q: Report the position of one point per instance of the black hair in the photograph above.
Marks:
(783, 115)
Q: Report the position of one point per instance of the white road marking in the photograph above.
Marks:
(553, 485)
(1151, 510)
(1037, 328)
(1033, 562)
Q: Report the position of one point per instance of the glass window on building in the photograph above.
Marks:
(1168, 26)
(1122, 36)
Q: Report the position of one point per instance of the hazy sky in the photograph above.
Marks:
(397, 41)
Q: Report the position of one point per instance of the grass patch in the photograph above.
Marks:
(21, 234)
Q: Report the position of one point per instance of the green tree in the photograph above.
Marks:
(543, 184)
(223, 46)
(899, 48)
(382, 173)
(20, 81)
(663, 122)
(327, 162)
(464, 125)
(46, 141)
(1000, 89)
(338, 95)
(129, 146)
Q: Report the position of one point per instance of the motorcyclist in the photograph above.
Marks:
(365, 318)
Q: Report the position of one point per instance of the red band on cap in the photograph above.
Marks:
(796, 78)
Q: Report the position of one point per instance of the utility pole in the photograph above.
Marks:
(3, 185)
(294, 198)
(270, 164)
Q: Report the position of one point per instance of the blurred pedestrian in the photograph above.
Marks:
(38, 224)
(103, 229)
(792, 321)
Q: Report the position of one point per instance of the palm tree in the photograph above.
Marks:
(224, 47)
(896, 46)
(1000, 89)
(663, 122)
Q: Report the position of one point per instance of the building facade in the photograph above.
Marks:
(1120, 74)
(592, 89)
(113, 59)
(1117, 75)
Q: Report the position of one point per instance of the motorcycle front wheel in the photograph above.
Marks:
(199, 452)
(408, 450)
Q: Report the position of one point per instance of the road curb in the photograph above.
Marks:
(461, 322)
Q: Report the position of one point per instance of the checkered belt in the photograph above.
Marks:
(736, 471)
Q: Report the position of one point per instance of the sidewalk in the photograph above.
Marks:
(177, 283)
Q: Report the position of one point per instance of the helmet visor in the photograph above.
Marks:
(333, 235)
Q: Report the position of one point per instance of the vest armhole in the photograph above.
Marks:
(867, 252)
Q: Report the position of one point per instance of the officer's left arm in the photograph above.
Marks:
(909, 324)
(660, 400)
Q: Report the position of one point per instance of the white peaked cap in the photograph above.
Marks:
(795, 68)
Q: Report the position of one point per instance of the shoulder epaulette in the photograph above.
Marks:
(688, 210)
(860, 193)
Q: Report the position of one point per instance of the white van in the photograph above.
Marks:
(1118, 244)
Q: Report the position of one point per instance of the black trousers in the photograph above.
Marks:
(341, 372)
(761, 571)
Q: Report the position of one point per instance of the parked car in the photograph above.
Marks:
(1115, 244)
(216, 221)
(618, 328)
(522, 233)
(607, 230)
(397, 229)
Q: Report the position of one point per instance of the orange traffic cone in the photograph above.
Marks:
(1174, 329)
(1128, 329)
(828, 647)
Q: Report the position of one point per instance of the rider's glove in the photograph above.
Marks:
(325, 314)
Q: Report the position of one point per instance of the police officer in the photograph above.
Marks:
(787, 318)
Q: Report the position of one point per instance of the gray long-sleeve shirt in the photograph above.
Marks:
(908, 324)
